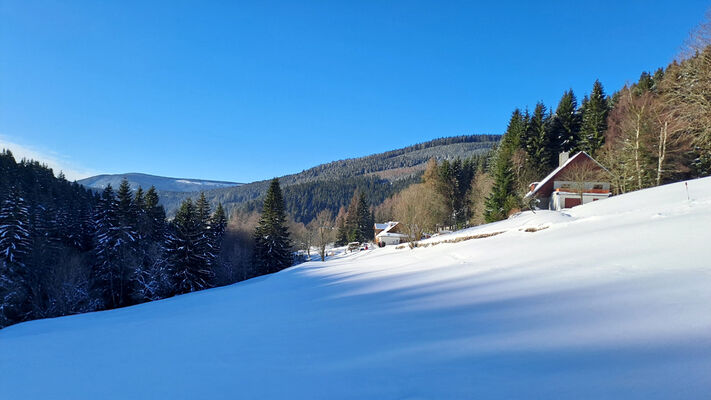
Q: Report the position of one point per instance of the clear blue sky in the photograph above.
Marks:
(244, 91)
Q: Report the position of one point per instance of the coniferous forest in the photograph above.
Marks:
(66, 250)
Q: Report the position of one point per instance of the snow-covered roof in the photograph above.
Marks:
(557, 170)
(387, 227)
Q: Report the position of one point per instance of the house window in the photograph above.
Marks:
(598, 186)
(565, 185)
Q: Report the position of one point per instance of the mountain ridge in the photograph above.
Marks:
(162, 183)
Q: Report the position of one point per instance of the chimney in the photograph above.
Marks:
(563, 157)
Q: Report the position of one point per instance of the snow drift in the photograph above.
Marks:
(608, 300)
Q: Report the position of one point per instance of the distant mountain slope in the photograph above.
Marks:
(331, 185)
(161, 183)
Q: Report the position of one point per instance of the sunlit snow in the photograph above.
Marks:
(607, 300)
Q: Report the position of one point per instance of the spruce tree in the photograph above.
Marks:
(341, 228)
(565, 124)
(353, 231)
(107, 272)
(156, 215)
(205, 242)
(515, 135)
(15, 247)
(186, 252)
(218, 223)
(126, 210)
(540, 145)
(272, 251)
(594, 120)
(364, 223)
(502, 199)
(152, 280)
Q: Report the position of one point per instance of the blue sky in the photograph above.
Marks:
(250, 90)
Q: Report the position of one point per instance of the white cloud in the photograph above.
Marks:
(52, 159)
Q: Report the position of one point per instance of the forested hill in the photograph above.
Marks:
(331, 185)
(161, 183)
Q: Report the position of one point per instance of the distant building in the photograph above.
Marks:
(577, 180)
(389, 233)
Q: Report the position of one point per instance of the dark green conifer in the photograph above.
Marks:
(565, 124)
(186, 252)
(540, 145)
(594, 122)
(272, 251)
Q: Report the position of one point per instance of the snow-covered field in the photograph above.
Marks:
(610, 300)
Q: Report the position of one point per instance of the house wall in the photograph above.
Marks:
(389, 240)
(547, 188)
(557, 201)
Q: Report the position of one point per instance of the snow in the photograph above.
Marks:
(608, 300)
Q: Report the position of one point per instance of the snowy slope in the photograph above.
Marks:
(611, 300)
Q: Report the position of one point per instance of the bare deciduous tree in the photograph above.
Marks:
(323, 230)
(419, 208)
(581, 173)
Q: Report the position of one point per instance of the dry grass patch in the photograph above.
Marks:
(455, 240)
(535, 229)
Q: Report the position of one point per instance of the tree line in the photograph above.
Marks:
(66, 250)
(651, 132)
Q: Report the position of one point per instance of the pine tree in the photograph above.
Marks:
(272, 251)
(565, 124)
(594, 120)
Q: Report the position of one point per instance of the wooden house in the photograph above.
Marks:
(577, 180)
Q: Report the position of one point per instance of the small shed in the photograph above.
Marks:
(579, 179)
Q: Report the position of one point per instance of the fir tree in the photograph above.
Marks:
(272, 251)
(594, 120)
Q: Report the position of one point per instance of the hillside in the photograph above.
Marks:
(608, 300)
(161, 183)
(379, 175)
